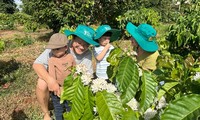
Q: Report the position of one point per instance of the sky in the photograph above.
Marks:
(18, 2)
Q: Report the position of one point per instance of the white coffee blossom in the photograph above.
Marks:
(128, 53)
(81, 68)
(149, 113)
(125, 49)
(95, 109)
(111, 88)
(161, 103)
(133, 104)
(98, 84)
(187, 2)
(131, 53)
(86, 79)
(178, 3)
(134, 53)
(197, 76)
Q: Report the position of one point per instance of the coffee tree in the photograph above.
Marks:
(184, 36)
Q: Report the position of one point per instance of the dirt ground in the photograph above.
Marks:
(28, 53)
(21, 103)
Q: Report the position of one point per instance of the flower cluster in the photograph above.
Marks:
(197, 76)
(133, 104)
(161, 103)
(101, 84)
(149, 113)
(86, 77)
(96, 84)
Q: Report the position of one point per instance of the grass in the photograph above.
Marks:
(18, 101)
(18, 80)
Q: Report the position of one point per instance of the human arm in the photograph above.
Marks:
(40, 67)
(100, 56)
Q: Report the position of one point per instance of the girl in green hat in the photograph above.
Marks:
(104, 35)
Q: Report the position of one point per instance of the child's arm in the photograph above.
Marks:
(103, 53)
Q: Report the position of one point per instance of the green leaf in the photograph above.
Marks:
(89, 104)
(148, 89)
(114, 55)
(65, 95)
(127, 79)
(75, 94)
(108, 106)
(129, 115)
(185, 108)
(166, 87)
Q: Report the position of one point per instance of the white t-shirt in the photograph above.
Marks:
(101, 66)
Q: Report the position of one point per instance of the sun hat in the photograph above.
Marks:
(145, 35)
(57, 40)
(101, 30)
(85, 33)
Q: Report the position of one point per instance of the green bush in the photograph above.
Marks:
(2, 45)
(6, 22)
(19, 41)
(137, 17)
(184, 36)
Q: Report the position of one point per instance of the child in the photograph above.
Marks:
(59, 67)
(104, 35)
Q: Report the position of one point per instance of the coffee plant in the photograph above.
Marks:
(134, 93)
(184, 36)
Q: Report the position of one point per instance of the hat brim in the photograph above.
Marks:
(53, 46)
(86, 39)
(149, 46)
(115, 35)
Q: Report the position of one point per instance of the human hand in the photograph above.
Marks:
(54, 86)
(107, 46)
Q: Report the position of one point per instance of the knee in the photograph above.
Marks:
(41, 85)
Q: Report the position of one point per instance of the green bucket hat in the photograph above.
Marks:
(85, 33)
(101, 30)
(145, 35)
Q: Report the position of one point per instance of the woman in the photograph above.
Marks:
(143, 39)
(82, 38)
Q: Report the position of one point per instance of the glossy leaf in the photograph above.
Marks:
(129, 115)
(88, 106)
(148, 89)
(76, 94)
(185, 108)
(108, 106)
(113, 58)
(165, 88)
(127, 79)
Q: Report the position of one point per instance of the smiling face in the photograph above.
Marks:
(79, 46)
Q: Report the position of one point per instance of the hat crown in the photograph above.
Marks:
(146, 31)
(57, 40)
(103, 28)
(85, 30)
